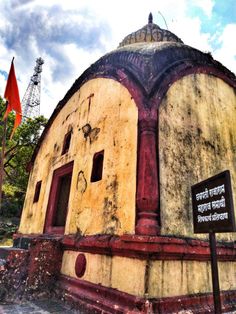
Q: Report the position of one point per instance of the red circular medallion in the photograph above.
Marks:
(80, 265)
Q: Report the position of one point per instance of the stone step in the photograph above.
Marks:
(37, 307)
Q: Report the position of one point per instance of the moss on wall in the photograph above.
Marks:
(153, 279)
(98, 268)
(124, 274)
(197, 139)
(173, 278)
(102, 116)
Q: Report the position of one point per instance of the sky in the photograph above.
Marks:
(71, 35)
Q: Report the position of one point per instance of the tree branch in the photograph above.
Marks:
(9, 177)
(12, 148)
(7, 163)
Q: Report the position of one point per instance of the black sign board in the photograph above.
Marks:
(213, 209)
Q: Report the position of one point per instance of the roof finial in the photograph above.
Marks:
(150, 18)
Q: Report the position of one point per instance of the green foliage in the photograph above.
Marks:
(7, 229)
(17, 156)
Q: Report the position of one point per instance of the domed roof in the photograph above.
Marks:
(153, 67)
(150, 33)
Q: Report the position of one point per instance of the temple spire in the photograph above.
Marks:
(151, 32)
(150, 18)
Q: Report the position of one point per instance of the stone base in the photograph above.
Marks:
(13, 273)
(139, 256)
(32, 272)
(99, 299)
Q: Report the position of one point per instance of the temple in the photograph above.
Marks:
(108, 213)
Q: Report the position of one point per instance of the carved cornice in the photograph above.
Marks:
(136, 246)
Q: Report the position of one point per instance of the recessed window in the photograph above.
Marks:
(66, 144)
(59, 199)
(37, 191)
(97, 169)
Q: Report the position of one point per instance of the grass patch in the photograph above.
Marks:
(6, 242)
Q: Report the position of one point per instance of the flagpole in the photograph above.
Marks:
(2, 159)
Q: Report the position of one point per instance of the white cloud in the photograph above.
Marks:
(2, 84)
(52, 90)
(190, 32)
(109, 22)
(226, 54)
(205, 5)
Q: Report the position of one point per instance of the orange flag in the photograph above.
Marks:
(12, 96)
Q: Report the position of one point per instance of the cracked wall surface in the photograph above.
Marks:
(197, 139)
(101, 116)
(154, 279)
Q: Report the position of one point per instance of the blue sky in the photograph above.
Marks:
(70, 35)
(223, 13)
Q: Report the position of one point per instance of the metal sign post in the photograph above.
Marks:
(213, 211)
(215, 275)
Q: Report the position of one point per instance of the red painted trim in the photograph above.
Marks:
(162, 85)
(141, 71)
(147, 198)
(198, 304)
(80, 265)
(98, 299)
(147, 74)
(53, 196)
(143, 247)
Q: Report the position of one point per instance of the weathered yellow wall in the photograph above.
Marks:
(173, 278)
(124, 274)
(197, 139)
(161, 278)
(128, 275)
(106, 206)
(98, 267)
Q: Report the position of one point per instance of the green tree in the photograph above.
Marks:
(17, 157)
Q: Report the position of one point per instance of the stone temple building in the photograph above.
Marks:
(108, 208)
